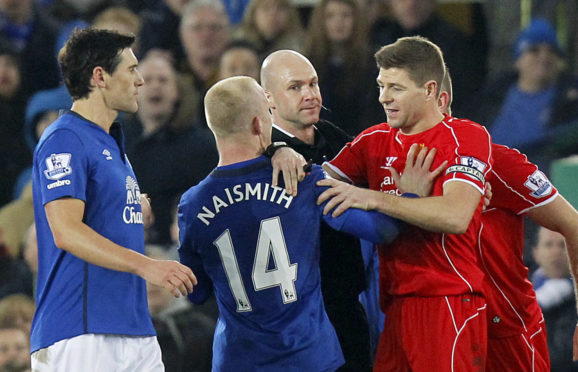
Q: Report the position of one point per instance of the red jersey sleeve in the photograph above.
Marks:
(517, 184)
(472, 159)
(352, 162)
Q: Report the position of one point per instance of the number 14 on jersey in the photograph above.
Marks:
(270, 245)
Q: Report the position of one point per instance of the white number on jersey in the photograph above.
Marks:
(270, 244)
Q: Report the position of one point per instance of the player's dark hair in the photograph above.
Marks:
(87, 49)
(422, 59)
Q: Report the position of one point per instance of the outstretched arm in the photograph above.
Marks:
(449, 213)
(560, 216)
(74, 236)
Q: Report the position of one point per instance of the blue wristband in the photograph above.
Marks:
(409, 195)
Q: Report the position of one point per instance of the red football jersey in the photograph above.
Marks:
(420, 262)
(517, 186)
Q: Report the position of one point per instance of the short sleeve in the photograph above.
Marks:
(349, 163)
(61, 167)
(472, 162)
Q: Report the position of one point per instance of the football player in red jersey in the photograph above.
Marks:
(516, 330)
(430, 282)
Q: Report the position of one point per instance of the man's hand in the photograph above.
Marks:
(171, 275)
(487, 195)
(416, 177)
(147, 212)
(291, 163)
(342, 196)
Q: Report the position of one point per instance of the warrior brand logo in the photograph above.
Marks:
(132, 213)
(539, 184)
(389, 161)
(57, 166)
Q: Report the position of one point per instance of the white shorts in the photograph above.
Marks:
(100, 353)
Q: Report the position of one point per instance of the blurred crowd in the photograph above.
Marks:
(521, 85)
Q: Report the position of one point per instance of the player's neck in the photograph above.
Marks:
(231, 152)
(428, 121)
(95, 111)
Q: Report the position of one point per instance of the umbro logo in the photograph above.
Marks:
(106, 153)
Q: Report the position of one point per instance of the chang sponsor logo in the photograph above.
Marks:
(132, 213)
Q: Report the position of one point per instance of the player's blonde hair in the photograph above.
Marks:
(232, 103)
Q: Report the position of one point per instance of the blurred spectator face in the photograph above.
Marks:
(270, 18)
(9, 77)
(17, 11)
(14, 347)
(176, 5)
(539, 64)
(239, 62)
(412, 13)
(205, 33)
(159, 95)
(550, 254)
(338, 21)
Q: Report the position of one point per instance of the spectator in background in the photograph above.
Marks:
(17, 310)
(33, 34)
(337, 46)
(239, 58)
(166, 17)
(465, 56)
(204, 34)
(236, 9)
(184, 333)
(121, 19)
(161, 133)
(14, 350)
(528, 107)
(14, 156)
(16, 216)
(271, 25)
(555, 294)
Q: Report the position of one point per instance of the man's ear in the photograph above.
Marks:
(256, 126)
(444, 101)
(270, 99)
(98, 77)
(431, 88)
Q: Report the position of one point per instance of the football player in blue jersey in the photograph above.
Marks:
(257, 246)
(92, 312)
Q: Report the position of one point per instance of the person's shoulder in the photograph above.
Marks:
(327, 128)
(463, 124)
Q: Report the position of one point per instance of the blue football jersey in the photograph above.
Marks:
(76, 158)
(258, 247)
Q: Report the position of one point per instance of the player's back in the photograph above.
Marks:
(517, 186)
(259, 248)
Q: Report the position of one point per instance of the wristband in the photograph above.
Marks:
(274, 146)
(409, 195)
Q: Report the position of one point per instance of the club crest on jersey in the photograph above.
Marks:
(58, 166)
(539, 184)
(469, 166)
(132, 213)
